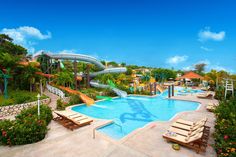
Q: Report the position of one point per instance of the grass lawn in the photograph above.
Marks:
(19, 97)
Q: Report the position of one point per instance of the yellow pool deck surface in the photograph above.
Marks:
(143, 142)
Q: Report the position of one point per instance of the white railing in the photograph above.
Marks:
(55, 90)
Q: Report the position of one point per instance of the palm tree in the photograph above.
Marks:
(215, 77)
(121, 78)
(64, 78)
(146, 77)
(29, 74)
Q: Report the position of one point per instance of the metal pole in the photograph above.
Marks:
(168, 91)
(41, 87)
(38, 96)
(150, 88)
(155, 88)
(173, 90)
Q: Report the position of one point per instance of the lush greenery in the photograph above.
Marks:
(225, 128)
(74, 99)
(19, 97)
(27, 128)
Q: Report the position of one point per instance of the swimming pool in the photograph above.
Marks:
(182, 90)
(134, 112)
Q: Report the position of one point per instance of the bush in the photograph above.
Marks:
(219, 93)
(75, 99)
(27, 128)
(225, 128)
(61, 105)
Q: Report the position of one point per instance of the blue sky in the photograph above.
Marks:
(158, 33)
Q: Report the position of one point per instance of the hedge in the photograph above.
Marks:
(27, 128)
(225, 128)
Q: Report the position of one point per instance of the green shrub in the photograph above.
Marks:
(75, 99)
(27, 128)
(219, 93)
(225, 128)
(61, 105)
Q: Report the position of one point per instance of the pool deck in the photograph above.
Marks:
(144, 142)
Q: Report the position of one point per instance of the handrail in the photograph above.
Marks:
(121, 128)
(55, 90)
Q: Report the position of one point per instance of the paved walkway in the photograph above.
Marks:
(144, 142)
(53, 97)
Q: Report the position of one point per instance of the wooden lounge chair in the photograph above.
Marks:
(207, 95)
(186, 122)
(196, 142)
(188, 127)
(206, 132)
(185, 132)
(72, 120)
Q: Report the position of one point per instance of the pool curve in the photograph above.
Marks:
(134, 112)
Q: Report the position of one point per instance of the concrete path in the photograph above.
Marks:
(53, 97)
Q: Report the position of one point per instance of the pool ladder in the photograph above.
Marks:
(121, 128)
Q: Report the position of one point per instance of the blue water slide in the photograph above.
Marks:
(85, 58)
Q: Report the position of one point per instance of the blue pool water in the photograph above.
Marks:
(133, 112)
(183, 90)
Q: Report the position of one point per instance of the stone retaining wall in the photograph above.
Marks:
(16, 109)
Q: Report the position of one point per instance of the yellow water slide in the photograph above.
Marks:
(159, 88)
(84, 98)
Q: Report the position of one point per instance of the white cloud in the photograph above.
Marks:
(26, 36)
(188, 68)
(176, 59)
(206, 49)
(206, 34)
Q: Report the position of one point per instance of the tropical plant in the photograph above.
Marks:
(64, 78)
(104, 77)
(215, 78)
(225, 128)
(146, 77)
(161, 74)
(27, 128)
(121, 79)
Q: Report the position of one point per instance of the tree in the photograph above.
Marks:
(30, 76)
(64, 78)
(161, 74)
(104, 77)
(4, 37)
(121, 79)
(200, 68)
(216, 77)
(146, 77)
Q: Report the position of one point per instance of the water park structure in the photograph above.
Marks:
(83, 58)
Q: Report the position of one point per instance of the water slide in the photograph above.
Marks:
(159, 88)
(92, 60)
(84, 98)
(116, 90)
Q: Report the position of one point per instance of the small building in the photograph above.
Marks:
(189, 77)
